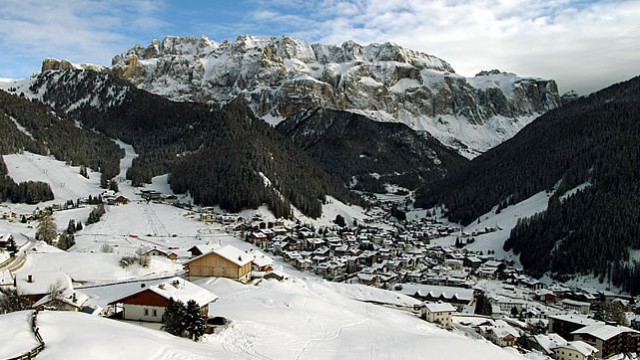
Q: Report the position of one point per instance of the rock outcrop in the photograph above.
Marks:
(283, 76)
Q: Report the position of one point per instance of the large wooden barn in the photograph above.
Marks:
(227, 261)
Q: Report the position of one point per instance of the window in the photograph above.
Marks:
(155, 313)
(146, 312)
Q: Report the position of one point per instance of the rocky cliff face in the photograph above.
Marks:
(283, 76)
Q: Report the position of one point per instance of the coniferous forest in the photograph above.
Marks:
(46, 133)
(219, 154)
(592, 141)
(351, 147)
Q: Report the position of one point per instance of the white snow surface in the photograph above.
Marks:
(21, 340)
(300, 318)
(306, 319)
(70, 335)
(65, 180)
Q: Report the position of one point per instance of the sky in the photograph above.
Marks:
(584, 45)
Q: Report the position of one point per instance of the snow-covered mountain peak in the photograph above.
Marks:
(281, 76)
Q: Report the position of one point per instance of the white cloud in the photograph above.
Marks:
(584, 45)
(81, 31)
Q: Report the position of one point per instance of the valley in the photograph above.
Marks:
(269, 197)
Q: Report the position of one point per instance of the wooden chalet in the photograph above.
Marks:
(227, 261)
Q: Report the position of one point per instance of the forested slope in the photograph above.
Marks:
(591, 140)
(220, 154)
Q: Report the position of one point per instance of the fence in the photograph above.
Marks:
(36, 332)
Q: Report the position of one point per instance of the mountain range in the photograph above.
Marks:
(370, 118)
(279, 77)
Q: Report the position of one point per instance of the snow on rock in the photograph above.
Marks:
(283, 76)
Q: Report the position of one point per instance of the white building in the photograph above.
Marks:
(149, 303)
(575, 350)
(438, 313)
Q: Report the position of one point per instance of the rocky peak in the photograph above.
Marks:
(281, 76)
(55, 64)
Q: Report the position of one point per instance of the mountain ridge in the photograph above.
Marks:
(365, 154)
(282, 76)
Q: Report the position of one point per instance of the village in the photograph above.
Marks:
(471, 293)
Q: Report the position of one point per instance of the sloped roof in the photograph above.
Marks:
(576, 319)
(579, 346)
(603, 331)
(230, 253)
(234, 255)
(440, 307)
(42, 282)
(178, 289)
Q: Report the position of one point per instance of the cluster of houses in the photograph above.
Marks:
(553, 321)
(144, 300)
(373, 256)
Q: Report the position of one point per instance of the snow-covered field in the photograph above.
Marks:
(308, 319)
(80, 336)
(302, 317)
(20, 340)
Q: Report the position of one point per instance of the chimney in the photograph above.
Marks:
(29, 278)
(161, 286)
(74, 299)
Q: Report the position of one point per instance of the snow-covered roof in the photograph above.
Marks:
(446, 292)
(579, 346)
(576, 319)
(550, 341)
(179, 289)
(603, 331)
(575, 303)
(440, 307)
(230, 253)
(70, 297)
(262, 260)
(234, 255)
(41, 283)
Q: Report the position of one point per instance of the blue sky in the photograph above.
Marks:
(584, 45)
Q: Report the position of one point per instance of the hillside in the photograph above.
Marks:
(281, 76)
(221, 155)
(366, 154)
(589, 145)
(31, 126)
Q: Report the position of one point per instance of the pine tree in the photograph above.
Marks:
(195, 322)
(11, 300)
(483, 306)
(12, 247)
(173, 319)
(113, 186)
(71, 228)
